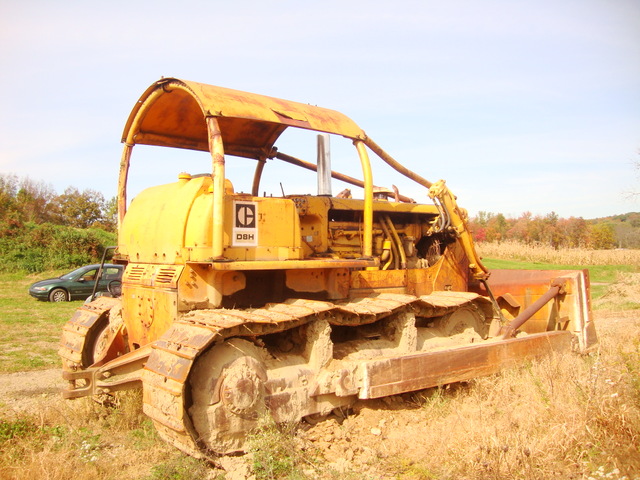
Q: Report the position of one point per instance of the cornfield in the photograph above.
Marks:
(512, 250)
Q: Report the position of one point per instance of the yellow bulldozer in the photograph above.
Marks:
(238, 305)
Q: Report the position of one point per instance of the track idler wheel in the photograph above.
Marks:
(228, 395)
(467, 319)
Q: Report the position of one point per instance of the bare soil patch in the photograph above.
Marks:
(30, 392)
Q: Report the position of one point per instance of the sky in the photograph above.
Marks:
(519, 106)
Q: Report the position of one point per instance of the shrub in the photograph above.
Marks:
(34, 248)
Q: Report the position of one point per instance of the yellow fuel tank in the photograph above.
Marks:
(172, 224)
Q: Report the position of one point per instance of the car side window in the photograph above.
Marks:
(111, 273)
(89, 275)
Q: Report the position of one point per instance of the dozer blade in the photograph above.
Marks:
(571, 312)
(430, 369)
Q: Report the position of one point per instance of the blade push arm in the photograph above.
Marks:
(455, 218)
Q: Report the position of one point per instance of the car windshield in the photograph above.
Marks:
(72, 275)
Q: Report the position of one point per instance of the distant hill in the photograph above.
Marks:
(626, 227)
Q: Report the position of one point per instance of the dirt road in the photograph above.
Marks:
(30, 391)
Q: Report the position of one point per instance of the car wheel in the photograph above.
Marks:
(58, 295)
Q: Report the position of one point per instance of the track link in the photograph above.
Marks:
(77, 331)
(166, 395)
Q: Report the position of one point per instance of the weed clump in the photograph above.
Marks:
(276, 453)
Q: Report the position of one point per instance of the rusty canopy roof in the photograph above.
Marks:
(172, 113)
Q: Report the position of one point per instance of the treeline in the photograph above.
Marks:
(41, 230)
(23, 200)
(622, 231)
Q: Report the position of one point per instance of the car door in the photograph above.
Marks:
(83, 285)
(110, 274)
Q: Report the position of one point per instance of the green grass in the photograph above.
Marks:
(597, 273)
(29, 329)
(600, 276)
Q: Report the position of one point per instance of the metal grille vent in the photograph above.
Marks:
(135, 273)
(166, 275)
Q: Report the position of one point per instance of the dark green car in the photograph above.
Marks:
(77, 285)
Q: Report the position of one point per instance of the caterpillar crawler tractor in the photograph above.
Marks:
(236, 305)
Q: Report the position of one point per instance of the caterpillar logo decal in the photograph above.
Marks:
(245, 224)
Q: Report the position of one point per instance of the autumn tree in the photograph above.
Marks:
(109, 219)
(478, 226)
(575, 231)
(7, 195)
(549, 231)
(25, 200)
(496, 228)
(80, 209)
(602, 236)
